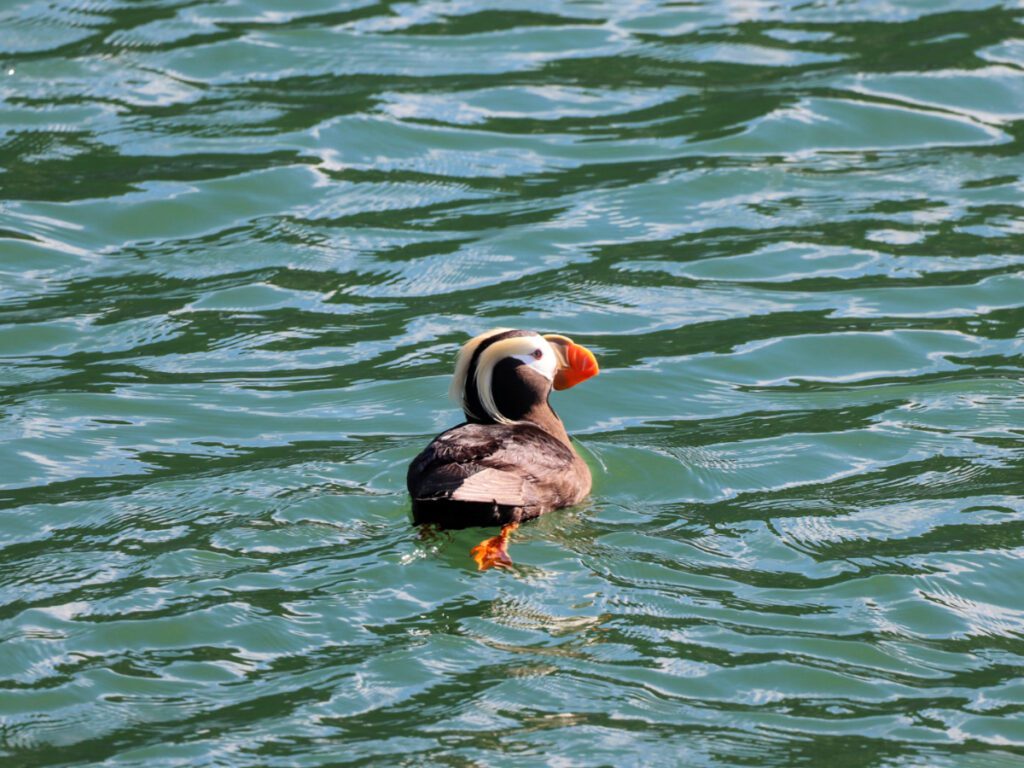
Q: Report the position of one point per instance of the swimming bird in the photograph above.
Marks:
(511, 460)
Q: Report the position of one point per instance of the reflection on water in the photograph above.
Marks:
(240, 244)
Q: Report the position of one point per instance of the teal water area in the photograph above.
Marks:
(240, 244)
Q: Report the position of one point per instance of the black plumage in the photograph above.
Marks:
(494, 474)
(512, 459)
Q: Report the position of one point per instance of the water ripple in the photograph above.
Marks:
(240, 244)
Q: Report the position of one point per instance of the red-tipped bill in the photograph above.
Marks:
(580, 365)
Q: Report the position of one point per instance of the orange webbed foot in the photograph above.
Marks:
(494, 551)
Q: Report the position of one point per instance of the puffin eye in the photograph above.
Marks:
(537, 354)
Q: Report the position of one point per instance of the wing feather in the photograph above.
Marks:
(489, 463)
(493, 486)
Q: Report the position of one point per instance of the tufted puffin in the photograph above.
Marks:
(511, 460)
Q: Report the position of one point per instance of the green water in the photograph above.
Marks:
(241, 243)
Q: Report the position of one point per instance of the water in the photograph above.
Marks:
(241, 243)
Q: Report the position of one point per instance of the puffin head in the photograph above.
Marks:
(502, 374)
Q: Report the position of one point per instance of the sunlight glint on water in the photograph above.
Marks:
(240, 244)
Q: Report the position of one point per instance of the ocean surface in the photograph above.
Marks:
(241, 242)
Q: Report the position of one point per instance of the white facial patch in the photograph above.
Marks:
(542, 359)
(533, 351)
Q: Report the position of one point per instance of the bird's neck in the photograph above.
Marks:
(539, 414)
(544, 416)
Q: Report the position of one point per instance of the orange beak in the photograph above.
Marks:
(578, 362)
